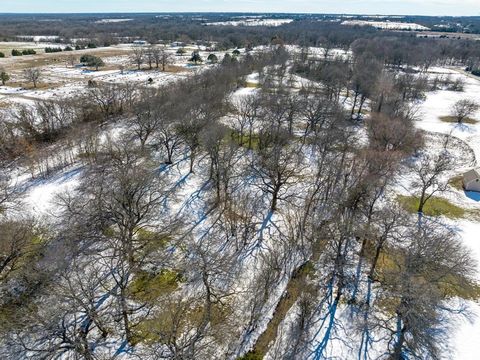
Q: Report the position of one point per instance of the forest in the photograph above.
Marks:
(247, 211)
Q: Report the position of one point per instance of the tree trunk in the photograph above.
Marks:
(354, 104)
(398, 348)
(192, 161)
(421, 202)
(126, 322)
(275, 192)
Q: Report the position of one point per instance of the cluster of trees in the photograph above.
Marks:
(305, 30)
(187, 227)
(57, 49)
(31, 75)
(153, 55)
(16, 52)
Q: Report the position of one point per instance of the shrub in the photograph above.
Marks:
(52, 49)
(212, 58)
(90, 60)
(181, 51)
(457, 85)
(4, 77)
(2, 55)
(28, 52)
(16, 52)
(196, 58)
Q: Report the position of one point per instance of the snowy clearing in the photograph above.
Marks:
(386, 25)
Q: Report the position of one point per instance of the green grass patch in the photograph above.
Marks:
(251, 85)
(456, 182)
(251, 355)
(147, 287)
(296, 286)
(178, 317)
(244, 140)
(453, 119)
(435, 206)
(151, 241)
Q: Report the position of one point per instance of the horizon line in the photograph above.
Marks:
(230, 12)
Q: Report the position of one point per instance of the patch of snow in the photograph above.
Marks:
(252, 22)
(386, 25)
(107, 21)
(41, 193)
(38, 38)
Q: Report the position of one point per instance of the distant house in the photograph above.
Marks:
(471, 180)
(140, 42)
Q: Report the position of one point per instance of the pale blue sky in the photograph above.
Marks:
(420, 7)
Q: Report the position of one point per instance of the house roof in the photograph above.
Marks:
(471, 175)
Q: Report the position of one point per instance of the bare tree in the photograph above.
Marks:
(149, 56)
(247, 112)
(432, 261)
(71, 60)
(463, 109)
(277, 165)
(393, 134)
(16, 245)
(429, 171)
(4, 77)
(161, 57)
(32, 75)
(146, 119)
(138, 56)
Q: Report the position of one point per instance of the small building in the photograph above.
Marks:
(139, 42)
(471, 180)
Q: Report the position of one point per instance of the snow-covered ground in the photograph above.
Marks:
(38, 38)
(316, 52)
(252, 22)
(439, 103)
(69, 81)
(41, 193)
(107, 21)
(436, 105)
(468, 333)
(386, 25)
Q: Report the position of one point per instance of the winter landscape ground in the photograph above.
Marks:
(232, 186)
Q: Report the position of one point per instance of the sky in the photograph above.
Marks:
(390, 7)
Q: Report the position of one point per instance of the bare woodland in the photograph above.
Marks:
(210, 214)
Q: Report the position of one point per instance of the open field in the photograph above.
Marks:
(60, 78)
